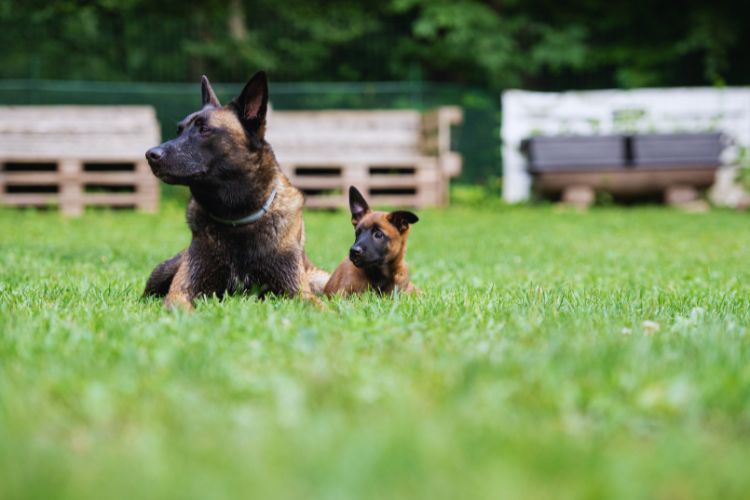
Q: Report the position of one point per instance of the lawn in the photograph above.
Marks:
(553, 354)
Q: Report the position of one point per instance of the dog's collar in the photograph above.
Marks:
(249, 219)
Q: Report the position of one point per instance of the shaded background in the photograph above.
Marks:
(336, 54)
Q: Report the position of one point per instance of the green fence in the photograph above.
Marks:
(477, 139)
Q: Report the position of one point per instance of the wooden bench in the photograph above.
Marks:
(78, 156)
(677, 166)
(394, 157)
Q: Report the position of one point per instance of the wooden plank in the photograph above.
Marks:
(29, 199)
(331, 161)
(30, 178)
(431, 145)
(431, 194)
(54, 157)
(110, 199)
(111, 178)
(309, 182)
(85, 119)
(436, 137)
(356, 175)
(84, 147)
(147, 189)
(71, 189)
(450, 164)
(392, 181)
(394, 200)
(345, 135)
(361, 119)
(82, 132)
(148, 201)
(327, 201)
(46, 178)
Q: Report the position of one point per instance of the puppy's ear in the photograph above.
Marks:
(401, 219)
(252, 103)
(357, 205)
(208, 96)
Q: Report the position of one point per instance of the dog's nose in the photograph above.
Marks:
(355, 252)
(155, 154)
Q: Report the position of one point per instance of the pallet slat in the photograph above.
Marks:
(325, 201)
(111, 199)
(29, 178)
(30, 199)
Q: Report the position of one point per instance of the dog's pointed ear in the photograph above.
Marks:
(357, 205)
(401, 219)
(252, 103)
(208, 96)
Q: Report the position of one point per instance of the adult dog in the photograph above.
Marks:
(244, 215)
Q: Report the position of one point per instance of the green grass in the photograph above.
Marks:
(523, 371)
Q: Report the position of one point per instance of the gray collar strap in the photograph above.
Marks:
(250, 218)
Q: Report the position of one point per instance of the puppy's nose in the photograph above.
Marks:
(355, 252)
(155, 154)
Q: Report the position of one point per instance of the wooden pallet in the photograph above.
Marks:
(73, 185)
(394, 157)
(72, 157)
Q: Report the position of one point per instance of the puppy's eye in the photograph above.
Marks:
(204, 130)
(377, 234)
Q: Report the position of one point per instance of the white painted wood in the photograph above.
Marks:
(726, 110)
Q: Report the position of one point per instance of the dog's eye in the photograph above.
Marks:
(200, 124)
(377, 234)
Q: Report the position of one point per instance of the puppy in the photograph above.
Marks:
(376, 260)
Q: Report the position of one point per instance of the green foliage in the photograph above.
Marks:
(553, 354)
(541, 44)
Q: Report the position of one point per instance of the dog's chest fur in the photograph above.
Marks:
(260, 257)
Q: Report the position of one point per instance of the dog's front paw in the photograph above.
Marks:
(178, 303)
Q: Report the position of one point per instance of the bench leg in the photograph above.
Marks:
(578, 196)
(356, 175)
(147, 188)
(71, 190)
(680, 195)
(2, 183)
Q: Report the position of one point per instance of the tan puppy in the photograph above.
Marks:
(376, 260)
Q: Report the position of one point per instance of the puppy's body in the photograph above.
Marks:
(377, 259)
(349, 279)
(244, 215)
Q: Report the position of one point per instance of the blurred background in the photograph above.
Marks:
(413, 54)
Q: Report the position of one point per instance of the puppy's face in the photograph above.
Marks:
(380, 237)
(215, 143)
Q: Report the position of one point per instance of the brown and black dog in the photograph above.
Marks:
(376, 260)
(244, 215)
